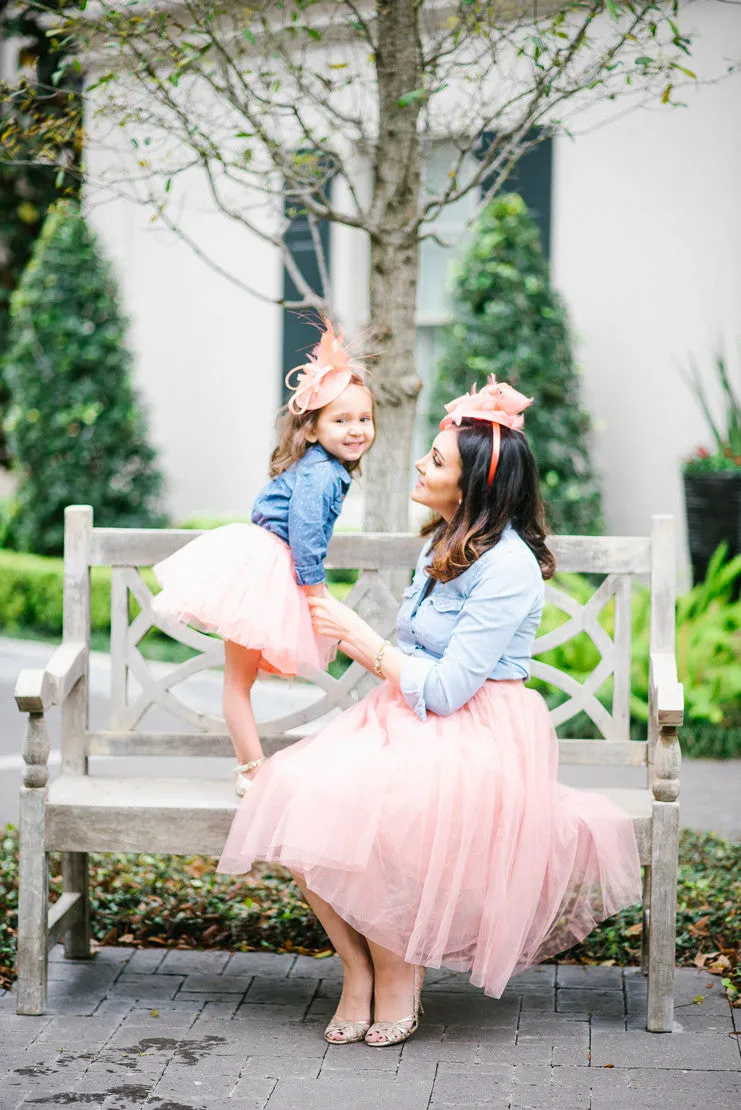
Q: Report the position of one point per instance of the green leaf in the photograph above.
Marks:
(644, 61)
(613, 10)
(411, 97)
(247, 34)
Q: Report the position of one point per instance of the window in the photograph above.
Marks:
(531, 178)
(299, 334)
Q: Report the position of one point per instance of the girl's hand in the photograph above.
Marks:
(334, 620)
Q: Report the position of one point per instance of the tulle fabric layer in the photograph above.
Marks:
(447, 841)
(239, 581)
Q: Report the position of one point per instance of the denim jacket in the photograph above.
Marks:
(478, 626)
(301, 506)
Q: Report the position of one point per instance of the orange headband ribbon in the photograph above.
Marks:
(498, 403)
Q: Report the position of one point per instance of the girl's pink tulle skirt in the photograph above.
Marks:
(449, 842)
(239, 581)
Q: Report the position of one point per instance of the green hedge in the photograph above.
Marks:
(173, 901)
(31, 588)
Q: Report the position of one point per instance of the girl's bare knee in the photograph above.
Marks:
(240, 668)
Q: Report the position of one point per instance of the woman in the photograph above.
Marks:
(425, 825)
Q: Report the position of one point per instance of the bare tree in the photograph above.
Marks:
(330, 108)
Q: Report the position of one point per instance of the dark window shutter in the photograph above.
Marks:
(299, 334)
(532, 178)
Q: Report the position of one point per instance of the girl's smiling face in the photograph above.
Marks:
(345, 427)
(438, 485)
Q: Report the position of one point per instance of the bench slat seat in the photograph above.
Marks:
(81, 813)
(192, 817)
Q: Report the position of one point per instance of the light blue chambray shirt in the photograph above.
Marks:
(478, 626)
(301, 506)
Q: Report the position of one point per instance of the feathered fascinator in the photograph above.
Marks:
(327, 373)
(497, 403)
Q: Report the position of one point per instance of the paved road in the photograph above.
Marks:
(711, 789)
(187, 1030)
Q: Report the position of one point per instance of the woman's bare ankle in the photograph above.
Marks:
(357, 990)
(394, 993)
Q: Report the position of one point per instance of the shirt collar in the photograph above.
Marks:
(316, 450)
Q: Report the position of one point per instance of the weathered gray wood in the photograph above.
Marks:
(78, 524)
(125, 743)
(37, 690)
(75, 882)
(183, 816)
(142, 547)
(62, 915)
(644, 835)
(119, 632)
(33, 888)
(602, 554)
(663, 585)
(645, 935)
(604, 753)
(180, 816)
(621, 657)
(665, 691)
(607, 753)
(663, 917)
(614, 653)
(667, 762)
(83, 814)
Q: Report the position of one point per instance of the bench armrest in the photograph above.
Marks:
(666, 712)
(37, 690)
(665, 691)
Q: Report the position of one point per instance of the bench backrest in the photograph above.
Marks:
(619, 559)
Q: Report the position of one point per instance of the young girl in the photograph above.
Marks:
(249, 582)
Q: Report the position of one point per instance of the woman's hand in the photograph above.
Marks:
(336, 621)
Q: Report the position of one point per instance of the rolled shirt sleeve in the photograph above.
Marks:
(314, 507)
(489, 617)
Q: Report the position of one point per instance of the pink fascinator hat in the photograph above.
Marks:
(497, 403)
(323, 378)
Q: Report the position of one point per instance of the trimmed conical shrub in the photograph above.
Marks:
(75, 427)
(508, 321)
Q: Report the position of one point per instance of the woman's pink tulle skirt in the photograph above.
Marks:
(239, 581)
(448, 841)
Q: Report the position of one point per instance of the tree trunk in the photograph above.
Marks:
(393, 265)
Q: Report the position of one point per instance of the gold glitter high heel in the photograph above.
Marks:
(394, 1032)
(348, 1032)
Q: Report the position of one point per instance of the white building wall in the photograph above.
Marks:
(646, 251)
(207, 353)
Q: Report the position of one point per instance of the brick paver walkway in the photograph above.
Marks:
(189, 1030)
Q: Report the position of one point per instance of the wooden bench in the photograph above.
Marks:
(81, 813)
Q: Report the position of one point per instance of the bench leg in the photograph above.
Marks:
(645, 943)
(33, 899)
(663, 917)
(75, 881)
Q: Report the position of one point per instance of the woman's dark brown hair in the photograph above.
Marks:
(295, 432)
(513, 497)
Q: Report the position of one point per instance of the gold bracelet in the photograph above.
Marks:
(379, 658)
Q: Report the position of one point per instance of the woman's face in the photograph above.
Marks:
(438, 485)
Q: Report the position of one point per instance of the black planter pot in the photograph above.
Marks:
(713, 514)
